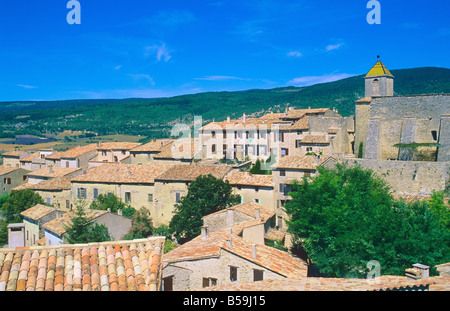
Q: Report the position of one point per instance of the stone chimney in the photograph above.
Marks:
(257, 213)
(230, 217)
(228, 119)
(418, 272)
(229, 243)
(16, 235)
(254, 251)
(205, 233)
(244, 118)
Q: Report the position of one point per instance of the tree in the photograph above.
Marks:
(257, 169)
(82, 230)
(113, 203)
(142, 226)
(206, 195)
(17, 202)
(345, 217)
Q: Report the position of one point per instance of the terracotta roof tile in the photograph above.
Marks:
(315, 139)
(6, 170)
(117, 146)
(153, 146)
(37, 212)
(13, 154)
(124, 173)
(179, 149)
(245, 178)
(191, 172)
(58, 225)
(57, 183)
(307, 162)
(73, 153)
(31, 157)
(83, 267)
(54, 172)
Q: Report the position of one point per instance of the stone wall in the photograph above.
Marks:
(412, 177)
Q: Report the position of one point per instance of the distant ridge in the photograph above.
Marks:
(155, 117)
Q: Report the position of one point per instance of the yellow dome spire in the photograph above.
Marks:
(379, 70)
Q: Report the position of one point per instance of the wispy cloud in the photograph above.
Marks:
(142, 77)
(25, 86)
(310, 80)
(160, 51)
(332, 47)
(295, 54)
(221, 78)
(117, 67)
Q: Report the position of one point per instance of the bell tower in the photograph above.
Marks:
(379, 81)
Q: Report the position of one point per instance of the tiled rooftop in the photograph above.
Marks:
(124, 173)
(53, 172)
(117, 146)
(315, 139)
(58, 225)
(180, 149)
(307, 162)
(270, 258)
(13, 154)
(109, 266)
(245, 178)
(37, 212)
(153, 146)
(191, 172)
(54, 184)
(6, 170)
(32, 156)
(382, 283)
(73, 153)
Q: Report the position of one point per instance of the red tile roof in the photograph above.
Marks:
(245, 178)
(6, 170)
(153, 146)
(109, 266)
(53, 172)
(191, 172)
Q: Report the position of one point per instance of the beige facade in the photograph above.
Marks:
(12, 158)
(11, 177)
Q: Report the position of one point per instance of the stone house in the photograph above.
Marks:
(11, 177)
(77, 157)
(145, 153)
(118, 226)
(50, 172)
(173, 184)
(183, 151)
(36, 160)
(56, 192)
(34, 218)
(252, 187)
(113, 152)
(12, 158)
(133, 184)
(219, 258)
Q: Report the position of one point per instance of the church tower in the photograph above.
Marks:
(379, 81)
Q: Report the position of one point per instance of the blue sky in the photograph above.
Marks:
(149, 48)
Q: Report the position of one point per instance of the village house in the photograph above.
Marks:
(133, 184)
(220, 257)
(55, 229)
(252, 187)
(113, 152)
(36, 160)
(50, 172)
(11, 177)
(34, 218)
(173, 184)
(108, 266)
(275, 135)
(56, 192)
(145, 153)
(181, 151)
(12, 158)
(77, 157)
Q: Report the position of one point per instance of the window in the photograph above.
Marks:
(116, 159)
(177, 197)
(104, 153)
(213, 148)
(257, 201)
(168, 283)
(213, 134)
(67, 164)
(258, 275)
(48, 201)
(285, 189)
(298, 143)
(208, 282)
(127, 197)
(309, 149)
(307, 174)
(7, 181)
(434, 134)
(282, 173)
(95, 193)
(124, 152)
(81, 193)
(233, 274)
(150, 197)
(67, 204)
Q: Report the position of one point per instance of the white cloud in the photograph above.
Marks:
(161, 52)
(142, 76)
(332, 47)
(117, 67)
(295, 54)
(27, 86)
(310, 80)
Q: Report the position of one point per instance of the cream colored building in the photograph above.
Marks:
(12, 158)
(173, 184)
(113, 152)
(50, 172)
(145, 153)
(11, 177)
(133, 184)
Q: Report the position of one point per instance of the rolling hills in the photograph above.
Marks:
(155, 117)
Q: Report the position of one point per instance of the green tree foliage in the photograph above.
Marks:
(82, 230)
(113, 203)
(206, 195)
(17, 202)
(257, 169)
(142, 226)
(346, 217)
(438, 206)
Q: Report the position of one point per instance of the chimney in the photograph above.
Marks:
(205, 234)
(229, 243)
(418, 272)
(244, 118)
(50, 169)
(229, 231)
(230, 217)
(257, 213)
(254, 251)
(228, 119)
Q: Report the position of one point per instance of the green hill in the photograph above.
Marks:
(155, 117)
